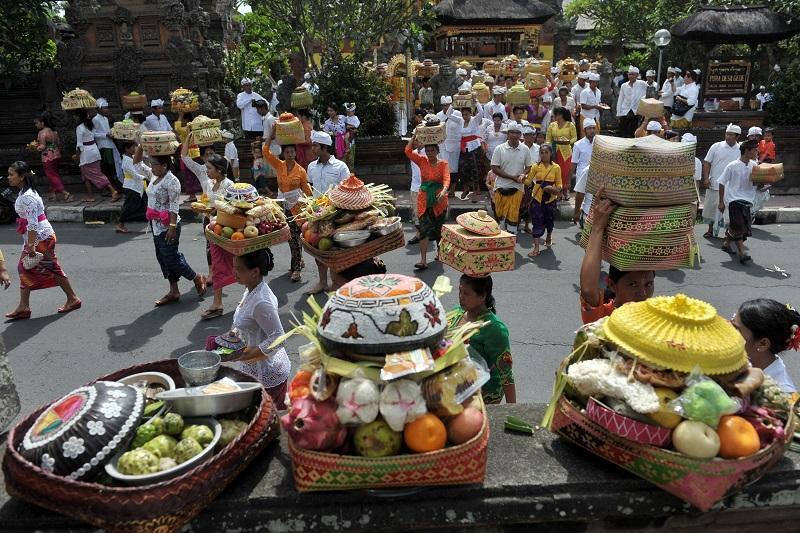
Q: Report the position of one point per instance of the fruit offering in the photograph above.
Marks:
(243, 214)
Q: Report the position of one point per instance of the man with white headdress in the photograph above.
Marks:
(324, 173)
(461, 78)
(590, 102)
(718, 157)
(309, 84)
(231, 155)
(496, 105)
(511, 163)
(547, 103)
(653, 128)
(581, 157)
(754, 134)
(667, 93)
(110, 160)
(689, 138)
(156, 121)
(252, 123)
(652, 86)
(628, 102)
(450, 149)
(575, 91)
(763, 97)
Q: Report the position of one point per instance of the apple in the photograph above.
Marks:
(304, 227)
(250, 232)
(377, 439)
(325, 244)
(227, 231)
(696, 439)
(665, 417)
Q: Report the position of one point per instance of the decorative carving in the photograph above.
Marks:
(104, 35)
(128, 66)
(150, 34)
(123, 15)
(172, 14)
(75, 14)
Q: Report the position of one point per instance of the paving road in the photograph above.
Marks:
(118, 278)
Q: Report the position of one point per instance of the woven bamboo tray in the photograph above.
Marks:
(164, 507)
(338, 260)
(700, 482)
(457, 465)
(246, 246)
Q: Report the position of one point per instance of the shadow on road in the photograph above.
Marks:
(761, 235)
(19, 331)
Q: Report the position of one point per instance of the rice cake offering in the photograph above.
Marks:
(78, 434)
(382, 314)
(648, 171)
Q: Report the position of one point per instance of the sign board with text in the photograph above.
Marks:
(727, 78)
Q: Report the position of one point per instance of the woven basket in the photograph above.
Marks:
(729, 105)
(338, 260)
(643, 172)
(518, 95)
(650, 108)
(289, 131)
(457, 465)
(77, 99)
(535, 81)
(426, 71)
(492, 67)
(461, 101)
(134, 102)
(245, 246)
(767, 173)
(699, 482)
(163, 507)
(301, 98)
(431, 134)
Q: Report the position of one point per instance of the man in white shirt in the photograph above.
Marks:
(511, 163)
(231, 154)
(580, 85)
(581, 156)
(718, 157)
(110, 160)
(496, 105)
(246, 101)
(678, 78)
(737, 194)
(323, 173)
(547, 103)
(268, 121)
(652, 86)
(628, 101)
(157, 121)
(309, 84)
(590, 101)
(667, 93)
(763, 97)
(461, 78)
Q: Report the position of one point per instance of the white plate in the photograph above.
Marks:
(151, 377)
(148, 479)
(191, 402)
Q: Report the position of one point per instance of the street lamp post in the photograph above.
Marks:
(661, 39)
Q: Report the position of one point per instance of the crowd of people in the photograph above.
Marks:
(530, 157)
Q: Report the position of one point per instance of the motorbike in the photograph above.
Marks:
(8, 196)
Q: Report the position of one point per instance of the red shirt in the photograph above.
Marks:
(766, 150)
(592, 314)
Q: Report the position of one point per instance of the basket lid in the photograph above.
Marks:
(351, 194)
(479, 222)
(241, 191)
(677, 333)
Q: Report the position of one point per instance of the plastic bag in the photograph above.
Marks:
(704, 400)
(445, 391)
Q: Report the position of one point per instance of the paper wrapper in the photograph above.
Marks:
(205, 131)
(518, 95)
(643, 172)
(476, 255)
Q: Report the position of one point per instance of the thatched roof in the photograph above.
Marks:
(493, 11)
(735, 24)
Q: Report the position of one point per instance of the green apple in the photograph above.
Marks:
(227, 232)
(696, 439)
(665, 417)
(325, 244)
(377, 439)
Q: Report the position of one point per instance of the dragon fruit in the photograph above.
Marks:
(313, 425)
(357, 401)
(768, 426)
(402, 402)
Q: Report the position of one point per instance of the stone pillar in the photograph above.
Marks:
(9, 400)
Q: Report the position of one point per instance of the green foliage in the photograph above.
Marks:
(349, 81)
(264, 45)
(26, 45)
(784, 109)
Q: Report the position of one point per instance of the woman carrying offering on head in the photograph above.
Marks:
(432, 197)
(88, 157)
(38, 237)
(476, 304)
(49, 146)
(257, 322)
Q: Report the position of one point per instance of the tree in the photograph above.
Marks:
(330, 22)
(26, 44)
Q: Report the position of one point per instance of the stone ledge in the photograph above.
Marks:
(531, 482)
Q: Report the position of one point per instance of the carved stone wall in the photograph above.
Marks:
(112, 47)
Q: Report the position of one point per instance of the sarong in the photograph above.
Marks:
(507, 206)
(469, 166)
(172, 262)
(739, 226)
(45, 274)
(92, 173)
(543, 217)
(134, 207)
(221, 267)
(51, 171)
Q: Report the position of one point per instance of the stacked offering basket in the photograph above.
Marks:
(77, 99)
(184, 100)
(126, 130)
(159, 143)
(205, 131)
(134, 101)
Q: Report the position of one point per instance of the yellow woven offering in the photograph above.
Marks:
(205, 131)
(78, 99)
(677, 333)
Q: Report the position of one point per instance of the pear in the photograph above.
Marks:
(665, 417)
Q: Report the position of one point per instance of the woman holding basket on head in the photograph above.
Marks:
(213, 181)
(562, 135)
(292, 184)
(432, 197)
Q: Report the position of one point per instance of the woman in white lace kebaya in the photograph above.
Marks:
(257, 322)
(38, 238)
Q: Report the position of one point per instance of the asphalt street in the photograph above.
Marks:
(118, 279)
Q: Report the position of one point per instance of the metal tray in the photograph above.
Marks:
(192, 402)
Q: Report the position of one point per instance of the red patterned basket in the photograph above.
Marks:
(700, 482)
(162, 507)
(245, 246)
(457, 465)
(338, 260)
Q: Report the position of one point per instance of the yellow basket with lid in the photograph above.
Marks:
(677, 333)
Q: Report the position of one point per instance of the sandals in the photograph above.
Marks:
(167, 300)
(708, 235)
(534, 253)
(68, 197)
(727, 249)
(745, 258)
(420, 266)
(202, 287)
(296, 276)
(70, 307)
(18, 315)
(549, 244)
(208, 314)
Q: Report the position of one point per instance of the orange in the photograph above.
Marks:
(300, 387)
(237, 236)
(217, 229)
(737, 437)
(425, 434)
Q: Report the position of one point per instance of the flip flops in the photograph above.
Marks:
(71, 307)
(208, 314)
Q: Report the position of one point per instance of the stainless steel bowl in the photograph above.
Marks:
(352, 242)
(390, 225)
(199, 367)
(192, 402)
(349, 239)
